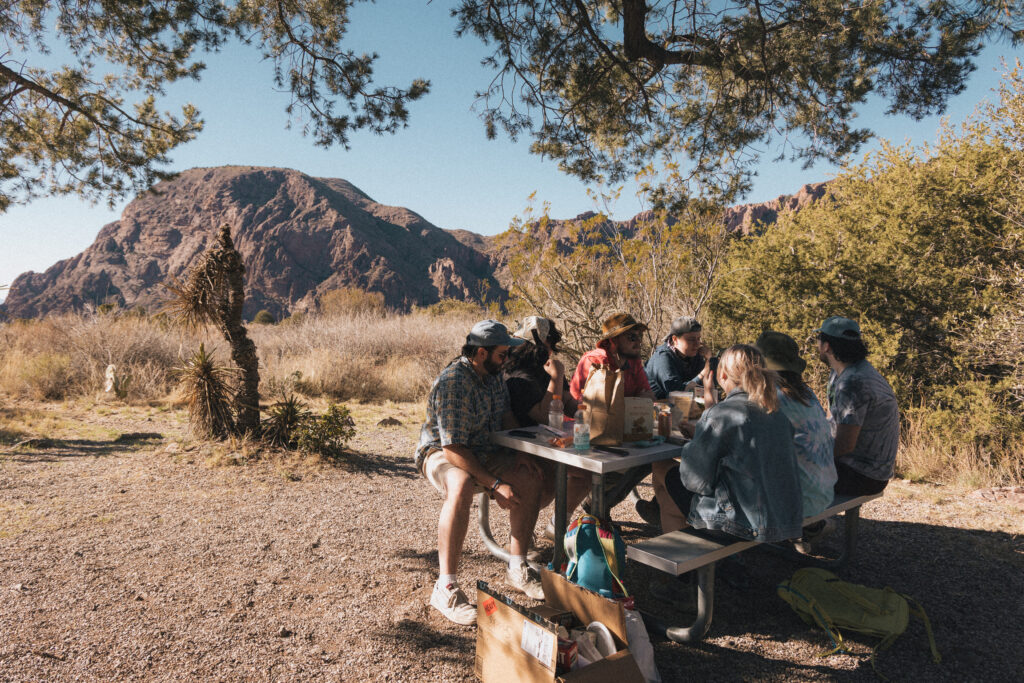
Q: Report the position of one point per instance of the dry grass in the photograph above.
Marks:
(370, 357)
(363, 357)
(925, 455)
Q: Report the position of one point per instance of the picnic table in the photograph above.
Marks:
(596, 462)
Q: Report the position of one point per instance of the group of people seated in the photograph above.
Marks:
(763, 455)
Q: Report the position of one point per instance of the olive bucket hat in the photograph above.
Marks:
(781, 352)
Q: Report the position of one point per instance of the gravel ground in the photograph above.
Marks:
(139, 559)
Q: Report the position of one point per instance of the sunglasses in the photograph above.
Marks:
(633, 336)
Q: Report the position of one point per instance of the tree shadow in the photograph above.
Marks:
(970, 582)
(441, 647)
(41, 449)
(376, 465)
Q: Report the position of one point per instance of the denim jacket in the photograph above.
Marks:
(742, 466)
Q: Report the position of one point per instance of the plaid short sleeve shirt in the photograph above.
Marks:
(463, 408)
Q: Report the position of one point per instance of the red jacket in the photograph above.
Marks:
(633, 372)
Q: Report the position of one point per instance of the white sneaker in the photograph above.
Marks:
(525, 579)
(813, 536)
(453, 604)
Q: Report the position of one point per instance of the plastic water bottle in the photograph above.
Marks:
(580, 432)
(555, 417)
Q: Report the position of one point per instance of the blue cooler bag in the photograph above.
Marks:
(596, 556)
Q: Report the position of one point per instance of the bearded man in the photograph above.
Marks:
(467, 402)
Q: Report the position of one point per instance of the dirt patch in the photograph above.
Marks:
(131, 559)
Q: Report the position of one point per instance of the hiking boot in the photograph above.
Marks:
(525, 579)
(649, 511)
(453, 604)
(814, 535)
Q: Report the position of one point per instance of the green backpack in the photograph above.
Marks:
(821, 598)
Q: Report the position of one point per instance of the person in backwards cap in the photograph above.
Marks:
(679, 360)
(862, 409)
(469, 400)
(534, 377)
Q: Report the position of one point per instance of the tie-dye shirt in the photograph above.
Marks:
(812, 438)
(861, 396)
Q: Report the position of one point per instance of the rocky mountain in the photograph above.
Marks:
(299, 237)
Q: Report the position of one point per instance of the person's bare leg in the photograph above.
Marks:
(577, 488)
(453, 523)
(528, 484)
(672, 518)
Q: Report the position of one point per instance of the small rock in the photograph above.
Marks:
(389, 422)
(284, 633)
(18, 587)
(172, 447)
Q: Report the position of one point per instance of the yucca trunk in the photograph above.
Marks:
(243, 350)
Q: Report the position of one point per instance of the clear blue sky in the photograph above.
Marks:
(440, 166)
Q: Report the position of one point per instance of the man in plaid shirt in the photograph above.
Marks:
(468, 401)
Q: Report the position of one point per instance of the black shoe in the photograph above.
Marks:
(649, 511)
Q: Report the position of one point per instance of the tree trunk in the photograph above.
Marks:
(243, 350)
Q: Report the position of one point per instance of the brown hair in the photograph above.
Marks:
(745, 365)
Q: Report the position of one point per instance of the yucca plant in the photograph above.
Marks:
(213, 293)
(283, 419)
(205, 386)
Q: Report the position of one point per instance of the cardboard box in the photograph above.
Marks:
(514, 643)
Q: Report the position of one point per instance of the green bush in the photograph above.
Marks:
(454, 308)
(326, 434)
(264, 317)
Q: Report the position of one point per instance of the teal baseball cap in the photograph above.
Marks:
(838, 326)
(491, 333)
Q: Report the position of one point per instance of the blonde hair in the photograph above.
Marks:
(745, 365)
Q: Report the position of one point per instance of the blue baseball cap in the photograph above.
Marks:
(491, 333)
(840, 327)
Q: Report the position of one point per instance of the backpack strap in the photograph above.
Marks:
(917, 610)
(607, 539)
(571, 537)
(821, 617)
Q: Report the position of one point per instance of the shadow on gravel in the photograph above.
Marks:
(970, 583)
(424, 639)
(377, 465)
(420, 561)
(51, 450)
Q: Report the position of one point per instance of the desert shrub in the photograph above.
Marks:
(351, 301)
(454, 308)
(283, 418)
(45, 375)
(206, 389)
(326, 434)
(264, 317)
(345, 358)
(144, 352)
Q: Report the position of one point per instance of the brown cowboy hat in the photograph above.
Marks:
(620, 323)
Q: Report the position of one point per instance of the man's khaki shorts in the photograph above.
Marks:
(436, 466)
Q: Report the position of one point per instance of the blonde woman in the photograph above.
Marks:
(738, 476)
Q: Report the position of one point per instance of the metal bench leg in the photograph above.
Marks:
(851, 520)
(483, 504)
(705, 610)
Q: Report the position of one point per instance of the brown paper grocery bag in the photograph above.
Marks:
(603, 395)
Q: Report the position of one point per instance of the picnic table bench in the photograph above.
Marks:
(679, 552)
